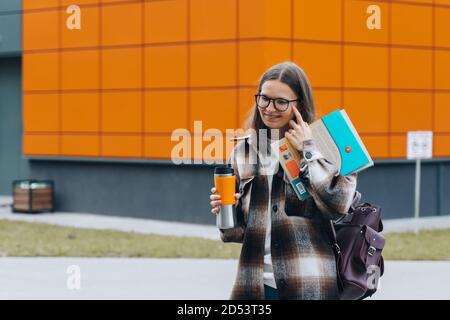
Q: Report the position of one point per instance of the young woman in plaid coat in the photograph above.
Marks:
(286, 253)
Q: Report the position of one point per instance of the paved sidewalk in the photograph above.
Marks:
(180, 279)
(149, 226)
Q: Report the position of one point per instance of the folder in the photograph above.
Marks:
(339, 142)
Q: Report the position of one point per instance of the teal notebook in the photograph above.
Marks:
(339, 142)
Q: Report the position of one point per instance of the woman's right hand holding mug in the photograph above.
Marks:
(215, 200)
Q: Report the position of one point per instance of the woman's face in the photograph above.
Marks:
(273, 118)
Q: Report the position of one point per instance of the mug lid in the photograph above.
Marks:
(223, 170)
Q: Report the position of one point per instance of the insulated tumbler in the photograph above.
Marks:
(225, 183)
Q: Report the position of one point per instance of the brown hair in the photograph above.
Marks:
(292, 75)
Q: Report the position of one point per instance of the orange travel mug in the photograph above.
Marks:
(225, 183)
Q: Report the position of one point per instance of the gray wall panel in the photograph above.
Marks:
(10, 5)
(12, 166)
(392, 187)
(10, 34)
(180, 193)
(147, 191)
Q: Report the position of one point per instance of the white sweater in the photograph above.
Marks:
(271, 165)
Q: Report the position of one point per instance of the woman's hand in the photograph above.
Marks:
(215, 200)
(299, 132)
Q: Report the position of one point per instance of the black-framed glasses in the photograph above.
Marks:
(280, 104)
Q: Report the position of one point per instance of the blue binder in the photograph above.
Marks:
(339, 142)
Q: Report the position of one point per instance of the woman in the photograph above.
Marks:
(286, 253)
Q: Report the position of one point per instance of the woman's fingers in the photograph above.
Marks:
(215, 210)
(215, 203)
(237, 196)
(214, 197)
(293, 124)
(213, 190)
(293, 140)
(298, 116)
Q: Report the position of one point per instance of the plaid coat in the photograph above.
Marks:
(303, 261)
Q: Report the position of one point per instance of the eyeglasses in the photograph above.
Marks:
(280, 104)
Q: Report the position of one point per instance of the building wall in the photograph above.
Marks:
(137, 70)
(100, 103)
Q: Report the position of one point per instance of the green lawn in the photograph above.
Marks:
(19, 238)
(426, 245)
(34, 239)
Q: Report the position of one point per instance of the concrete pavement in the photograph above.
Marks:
(180, 279)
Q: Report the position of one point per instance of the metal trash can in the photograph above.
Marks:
(33, 196)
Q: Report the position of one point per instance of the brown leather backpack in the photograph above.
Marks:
(357, 244)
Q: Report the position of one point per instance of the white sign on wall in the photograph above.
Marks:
(420, 145)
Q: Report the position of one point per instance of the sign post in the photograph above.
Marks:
(419, 146)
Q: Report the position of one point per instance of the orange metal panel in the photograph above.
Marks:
(442, 112)
(327, 101)
(251, 19)
(216, 108)
(80, 145)
(321, 62)
(377, 145)
(411, 24)
(411, 111)
(122, 68)
(79, 2)
(251, 62)
(276, 52)
(411, 68)
(318, 20)
(160, 147)
(246, 103)
(368, 110)
(121, 146)
(39, 4)
(398, 146)
(122, 24)
(366, 67)
(80, 112)
(121, 112)
(166, 21)
(165, 111)
(442, 25)
(80, 69)
(40, 71)
(40, 30)
(277, 18)
(213, 19)
(442, 69)
(40, 113)
(207, 71)
(441, 146)
(41, 145)
(166, 66)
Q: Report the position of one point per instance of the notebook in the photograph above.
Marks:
(337, 140)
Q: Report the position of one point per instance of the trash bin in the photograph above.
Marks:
(33, 196)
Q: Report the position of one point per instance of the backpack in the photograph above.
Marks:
(357, 244)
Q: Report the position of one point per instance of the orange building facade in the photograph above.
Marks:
(137, 70)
